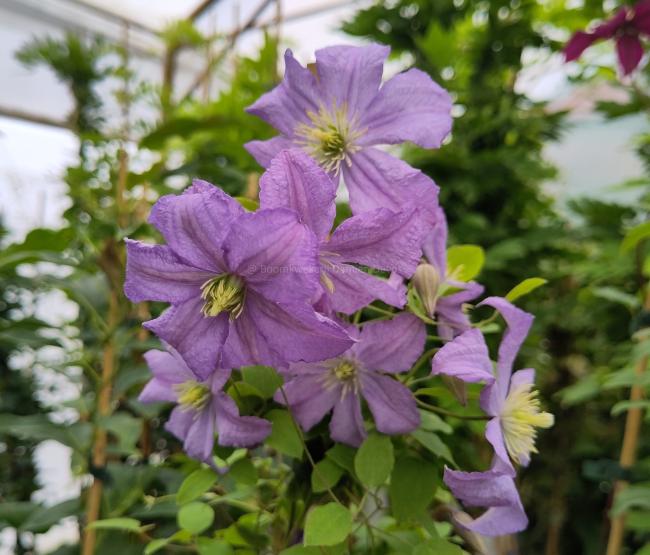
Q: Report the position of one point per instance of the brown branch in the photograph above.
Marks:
(628, 451)
(232, 39)
(34, 118)
(111, 262)
(93, 503)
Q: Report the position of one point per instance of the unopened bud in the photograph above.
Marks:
(427, 284)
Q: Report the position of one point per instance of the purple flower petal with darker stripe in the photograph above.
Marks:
(241, 285)
(340, 111)
(381, 239)
(339, 384)
(202, 410)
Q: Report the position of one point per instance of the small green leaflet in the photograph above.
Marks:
(374, 460)
(126, 524)
(195, 485)
(525, 287)
(465, 262)
(195, 517)
(327, 525)
(325, 475)
(284, 436)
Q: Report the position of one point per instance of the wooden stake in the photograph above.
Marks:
(628, 451)
(93, 503)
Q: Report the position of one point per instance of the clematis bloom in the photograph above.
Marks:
(240, 284)
(384, 347)
(626, 27)
(514, 407)
(432, 281)
(380, 239)
(338, 113)
(203, 408)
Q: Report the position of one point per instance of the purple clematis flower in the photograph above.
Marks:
(381, 239)
(392, 346)
(627, 27)
(203, 408)
(432, 281)
(514, 408)
(338, 113)
(240, 284)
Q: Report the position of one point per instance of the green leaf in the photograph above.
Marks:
(156, 545)
(639, 521)
(412, 487)
(434, 444)
(263, 378)
(586, 388)
(374, 460)
(40, 244)
(183, 126)
(524, 288)
(616, 296)
(327, 525)
(342, 455)
(635, 235)
(636, 496)
(340, 549)
(243, 472)
(433, 423)
(195, 485)
(126, 429)
(240, 390)
(15, 513)
(195, 517)
(209, 546)
(645, 269)
(464, 262)
(438, 546)
(325, 475)
(38, 427)
(44, 518)
(284, 436)
(623, 406)
(248, 203)
(126, 524)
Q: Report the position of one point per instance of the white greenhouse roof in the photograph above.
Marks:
(36, 94)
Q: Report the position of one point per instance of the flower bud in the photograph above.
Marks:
(427, 284)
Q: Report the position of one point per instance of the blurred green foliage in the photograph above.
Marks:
(491, 176)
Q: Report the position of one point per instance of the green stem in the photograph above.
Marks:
(380, 311)
(304, 446)
(445, 412)
(428, 354)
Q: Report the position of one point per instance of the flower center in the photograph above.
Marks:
(345, 370)
(223, 293)
(192, 395)
(520, 418)
(330, 137)
(343, 373)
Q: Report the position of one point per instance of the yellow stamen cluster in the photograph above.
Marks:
(330, 137)
(342, 372)
(521, 415)
(345, 370)
(223, 293)
(192, 395)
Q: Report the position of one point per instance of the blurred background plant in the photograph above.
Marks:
(588, 341)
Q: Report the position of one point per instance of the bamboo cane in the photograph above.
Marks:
(628, 451)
